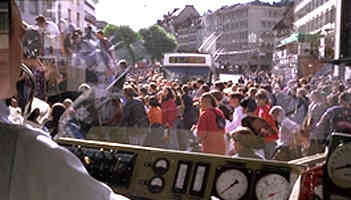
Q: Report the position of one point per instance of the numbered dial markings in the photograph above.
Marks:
(272, 187)
(339, 166)
(232, 184)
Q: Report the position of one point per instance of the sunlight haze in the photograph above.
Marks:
(144, 13)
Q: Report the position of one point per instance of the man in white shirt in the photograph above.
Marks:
(50, 34)
(288, 130)
(238, 114)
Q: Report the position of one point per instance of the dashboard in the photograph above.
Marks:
(158, 174)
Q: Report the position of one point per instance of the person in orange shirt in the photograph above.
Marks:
(211, 136)
(155, 112)
(155, 137)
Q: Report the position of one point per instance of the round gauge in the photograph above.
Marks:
(161, 166)
(337, 197)
(272, 187)
(339, 166)
(232, 184)
(156, 184)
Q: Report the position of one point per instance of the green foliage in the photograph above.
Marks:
(123, 35)
(157, 41)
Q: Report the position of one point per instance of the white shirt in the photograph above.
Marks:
(238, 115)
(287, 131)
(51, 34)
(33, 167)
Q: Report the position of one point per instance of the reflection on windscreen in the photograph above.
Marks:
(99, 88)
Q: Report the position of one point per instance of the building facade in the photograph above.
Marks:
(312, 40)
(90, 14)
(247, 38)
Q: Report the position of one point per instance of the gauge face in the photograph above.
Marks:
(161, 166)
(339, 166)
(232, 184)
(337, 197)
(272, 187)
(156, 184)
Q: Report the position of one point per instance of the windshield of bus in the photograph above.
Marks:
(186, 73)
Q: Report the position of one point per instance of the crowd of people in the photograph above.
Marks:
(259, 116)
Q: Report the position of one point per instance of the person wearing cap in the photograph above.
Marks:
(247, 144)
(32, 166)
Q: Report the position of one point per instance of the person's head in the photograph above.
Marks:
(245, 139)
(207, 100)
(219, 86)
(77, 36)
(129, 92)
(57, 110)
(83, 87)
(34, 115)
(252, 92)
(185, 89)
(217, 94)
(204, 88)
(67, 102)
(152, 87)
(262, 97)
(100, 34)
(249, 105)
(345, 99)
(123, 64)
(277, 113)
(235, 98)
(301, 92)
(316, 96)
(40, 20)
(153, 101)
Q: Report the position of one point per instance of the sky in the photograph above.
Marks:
(144, 13)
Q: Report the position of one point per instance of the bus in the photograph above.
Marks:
(185, 67)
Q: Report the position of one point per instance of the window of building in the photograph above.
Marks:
(35, 4)
(21, 5)
(59, 11)
(69, 15)
(78, 19)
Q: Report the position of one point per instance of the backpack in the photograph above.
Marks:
(220, 121)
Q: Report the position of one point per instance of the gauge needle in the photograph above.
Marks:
(343, 167)
(272, 194)
(234, 183)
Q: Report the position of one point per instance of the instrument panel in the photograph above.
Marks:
(149, 173)
(338, 167)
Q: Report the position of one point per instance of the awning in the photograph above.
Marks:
(295, 37)
(345, 61)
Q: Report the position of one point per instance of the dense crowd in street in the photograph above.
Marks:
(260, 116)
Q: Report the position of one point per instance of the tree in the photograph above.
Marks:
(157, 41)
(123, 35)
